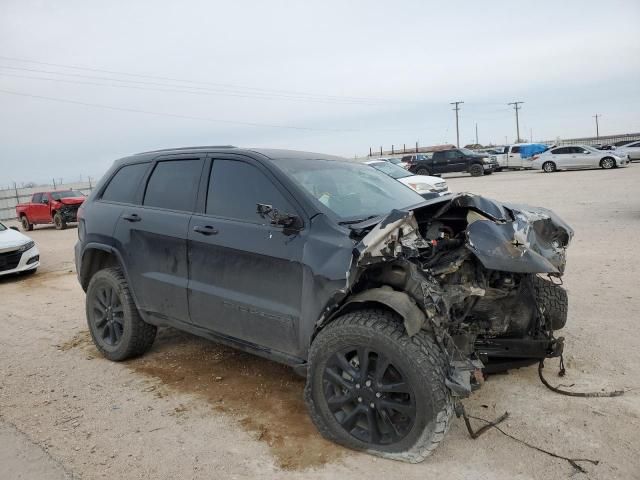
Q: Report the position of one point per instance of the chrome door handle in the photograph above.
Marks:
(134, 217)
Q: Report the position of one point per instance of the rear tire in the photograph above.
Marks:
(607, 163)
(402, 413)
(59, 222)
(116, 327)
(476, 170)
(423, 171)
(26, 225)
(549, 167)
(554, 302)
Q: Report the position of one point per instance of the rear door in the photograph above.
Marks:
(246, 274)
(563, 157)
(152, 236)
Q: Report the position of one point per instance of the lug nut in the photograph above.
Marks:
(378, 394)
(360, 399)
(372, 405)
(357, 385)
(368, 383)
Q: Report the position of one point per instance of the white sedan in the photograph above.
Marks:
(425, 185)
(576, 156)
(630, 150)
(18, 253)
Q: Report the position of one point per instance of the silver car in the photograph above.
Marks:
(630, 150)
(577, 156)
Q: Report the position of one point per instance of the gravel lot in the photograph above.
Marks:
(193, 409)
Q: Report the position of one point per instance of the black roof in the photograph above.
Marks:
(272, 153)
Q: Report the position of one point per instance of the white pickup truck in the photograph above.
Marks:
(509, 157)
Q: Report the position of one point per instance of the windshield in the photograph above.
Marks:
(2, 227)
(390, 169)
(66, 194)
(395, 161)
(466, 151)
(351, 191)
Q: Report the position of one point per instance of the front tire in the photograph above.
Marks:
(554, 302)
(371, 387)
(59, 222)
(607, 163)
(116, 327)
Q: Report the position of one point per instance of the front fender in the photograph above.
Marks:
(401, 303)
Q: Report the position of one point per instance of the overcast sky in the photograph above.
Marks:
(329, 76)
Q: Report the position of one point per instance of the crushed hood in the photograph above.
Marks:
(505, 237)
(72, 200)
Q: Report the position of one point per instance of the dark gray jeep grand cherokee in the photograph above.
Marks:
(392, 306)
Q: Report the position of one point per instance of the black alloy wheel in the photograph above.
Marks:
(368, 396)
(108, 315)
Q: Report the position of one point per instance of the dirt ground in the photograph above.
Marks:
(194, 409)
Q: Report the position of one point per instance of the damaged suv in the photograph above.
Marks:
(392, 306)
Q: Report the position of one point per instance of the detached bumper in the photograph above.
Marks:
(16, 262)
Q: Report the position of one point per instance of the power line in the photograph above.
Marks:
(457, 108)
(173, 115)
(516, 106)
(199, 82)
(176, 88)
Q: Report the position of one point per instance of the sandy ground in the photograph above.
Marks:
(193, 409)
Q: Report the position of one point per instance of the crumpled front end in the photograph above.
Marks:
(472, 266)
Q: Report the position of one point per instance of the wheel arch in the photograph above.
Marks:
(96, 257)
(382, 297)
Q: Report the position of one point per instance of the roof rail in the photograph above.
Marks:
(200, 147)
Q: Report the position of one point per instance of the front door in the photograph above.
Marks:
(153, 237)
(246, 274)
(514, 160)
(39, 210)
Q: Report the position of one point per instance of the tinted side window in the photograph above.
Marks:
(406, 158)
(124, 186)
(515, 149)
(235, 189)
(452, 154)
(560, 151)
(173, 185)
(37, 198)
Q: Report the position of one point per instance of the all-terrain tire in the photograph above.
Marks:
(137, 335)
(26, 225)
(422, 364)
(423, 171)
(59, 222)
(476, 170)
(553, 300)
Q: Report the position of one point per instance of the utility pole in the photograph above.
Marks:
(456, 109)
(477, 133)
(516, 106)
(596, 116)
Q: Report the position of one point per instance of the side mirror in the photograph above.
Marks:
(14, 228)
(286, 220)
(45, 201)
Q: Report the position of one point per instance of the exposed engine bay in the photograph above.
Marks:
(472, 271)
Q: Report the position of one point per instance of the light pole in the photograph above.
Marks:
(516, 106)
(457, 108)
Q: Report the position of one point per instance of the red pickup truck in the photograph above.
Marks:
(59, 208)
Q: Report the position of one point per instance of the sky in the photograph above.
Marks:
(83, 83)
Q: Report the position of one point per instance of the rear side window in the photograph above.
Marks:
(125, 184)
(236, 188)
(173, 185)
